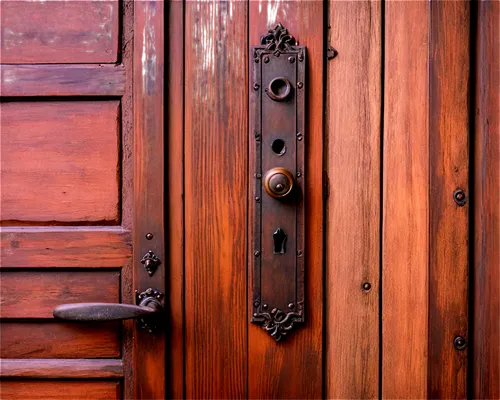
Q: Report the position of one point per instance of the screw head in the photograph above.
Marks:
(258, 176)
(256, 60)
(460, 343)
(299, 136)
(299, 174)
(300, 85)
(299, 252)
(460, 197)
(367, 286)
(291, 59)
(264, 306)
(149, 236)
(291, 306)
(256, 86)
(257, 199)
(266, 59)
(256, 303)
(256, 253)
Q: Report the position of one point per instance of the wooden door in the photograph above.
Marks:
(127, 127)
(81, 194)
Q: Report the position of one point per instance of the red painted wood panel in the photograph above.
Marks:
(57, 390)
(60, 247)
(59, 31)
(60, 161)
(59, 340)
(31, 294)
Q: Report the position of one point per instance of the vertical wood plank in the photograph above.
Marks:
(175, 198)
(149, 371)
(448, 171)
(216, 117)
(486, 281)
(405, 249)
(293, 368)
(353, 205)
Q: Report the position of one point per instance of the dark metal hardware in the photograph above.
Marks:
(277, 140)
(279, 239)
(460, 343)
(149, 307)
(331, 53)
(278, 183)
(151, 262)
(460, 197)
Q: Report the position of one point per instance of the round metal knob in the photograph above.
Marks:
(278, 182)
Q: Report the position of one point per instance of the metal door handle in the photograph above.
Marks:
(148, 310)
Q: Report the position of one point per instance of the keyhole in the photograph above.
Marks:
(279, 238)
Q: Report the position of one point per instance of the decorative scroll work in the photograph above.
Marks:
(278, 41)
(278, 260)
(278, 323)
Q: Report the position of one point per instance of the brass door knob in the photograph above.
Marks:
(278, 182)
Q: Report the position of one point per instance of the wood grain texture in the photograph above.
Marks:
(60, 368)
(33, 294)
(59, 32)
(64, 170)
(405, 235)
(293, 369)
(58, 390)
(216, 122)
(486, 272)
(62, 80)
(175, 198)
(63, 247)
(149, 202)
(353, 216)
(59, 340)
(448, 171)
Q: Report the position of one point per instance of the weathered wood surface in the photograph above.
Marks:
(353, 203)
(57, 390)
(59, 31)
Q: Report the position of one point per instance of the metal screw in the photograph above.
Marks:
(256, 60)
(266, 59)
(264, 306)
(301, 57)
(158, 296)
(300, 85)
(291, 59)
(299, 252)
(257, 199)
(254, 314)
(460, 343)
(258, 176)
(256, 303)
(299, 136)
(460, 197)
(256, 86)
(149, 236)
(291, 306)
(257, 253)
(299, 174)
(367, 286)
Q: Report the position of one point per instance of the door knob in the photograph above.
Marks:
(148, 309)
(278, 182)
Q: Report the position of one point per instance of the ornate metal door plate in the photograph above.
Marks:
(277, 139)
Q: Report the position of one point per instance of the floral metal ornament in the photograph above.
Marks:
(278, 39)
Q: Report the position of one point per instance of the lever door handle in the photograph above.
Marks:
(149, 306)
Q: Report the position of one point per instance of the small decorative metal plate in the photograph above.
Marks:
(277, 143)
